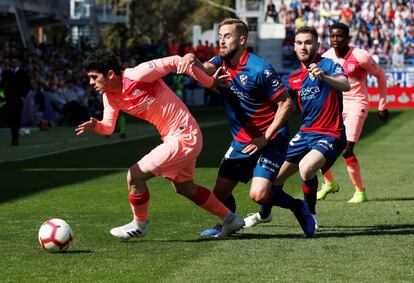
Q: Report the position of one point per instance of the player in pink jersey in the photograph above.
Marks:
(140, 92)
(357, 63)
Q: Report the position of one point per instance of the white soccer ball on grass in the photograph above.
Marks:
(55, 235)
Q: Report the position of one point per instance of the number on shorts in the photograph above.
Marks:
(294, 139)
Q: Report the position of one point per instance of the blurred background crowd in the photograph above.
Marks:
(385, 28)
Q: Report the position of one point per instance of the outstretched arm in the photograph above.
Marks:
(156, 69)
(190, 59)
(104, 127)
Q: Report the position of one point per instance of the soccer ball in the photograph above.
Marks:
(55, 235)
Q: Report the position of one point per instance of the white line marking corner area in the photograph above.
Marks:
(202, 125)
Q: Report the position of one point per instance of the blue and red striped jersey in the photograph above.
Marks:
(320, 104)
(252, 87)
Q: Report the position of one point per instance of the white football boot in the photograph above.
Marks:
(254, 218)
(230, 227)
(130, 230)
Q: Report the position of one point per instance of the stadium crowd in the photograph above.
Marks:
(60, 93)
(385, 28)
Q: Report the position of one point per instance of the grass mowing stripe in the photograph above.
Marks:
(67, 149)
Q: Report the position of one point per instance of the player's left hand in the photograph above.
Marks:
(185, 62)
(87, 126)
(255, 145)
(315, 71)
(383, 114)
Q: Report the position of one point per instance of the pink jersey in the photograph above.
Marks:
(357, 63)
(147, 97)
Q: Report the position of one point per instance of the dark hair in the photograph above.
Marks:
(241, 27)
(306, 29)
(341, 26)
(102, 61)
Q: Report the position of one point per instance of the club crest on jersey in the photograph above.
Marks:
(136, 92)
(243, 79)
(351, 67)
(267, 73)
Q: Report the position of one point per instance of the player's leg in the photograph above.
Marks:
(278, 197)
(139, 197)
(226, 181)
(354, 170)
(164, 160)
(208, 201)
(202, 197)
(259, 192)
(298, 148)
(354, 125)
(308, 166)
(223, 191)
(298, 207)
(266, 169)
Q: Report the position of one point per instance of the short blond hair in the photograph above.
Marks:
(241, 27)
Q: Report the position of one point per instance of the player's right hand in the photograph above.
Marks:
(255, 145)
(316, 71)
(87, 126)
(220, 81)
(383, 114)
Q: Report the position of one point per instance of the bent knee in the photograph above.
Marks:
(134, 176)
(307, 172)
(258, 195)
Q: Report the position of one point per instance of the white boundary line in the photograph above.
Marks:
(202, 125)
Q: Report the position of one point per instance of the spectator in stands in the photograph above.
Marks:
(271, 11)
(372, 20)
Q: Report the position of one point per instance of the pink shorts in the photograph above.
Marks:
(353, 125)
(175, 158)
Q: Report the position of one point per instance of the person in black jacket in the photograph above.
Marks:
(15, 83)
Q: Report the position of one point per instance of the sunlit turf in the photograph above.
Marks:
(370, 242)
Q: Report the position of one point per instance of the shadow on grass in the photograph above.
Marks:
(22, 178)
(239, 236)
(323, 232)
(377, 230)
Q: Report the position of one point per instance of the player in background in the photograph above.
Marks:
(257, 107)
(317, 87)
(140, 92)
(357, 63)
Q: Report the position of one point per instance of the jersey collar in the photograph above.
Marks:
(242, 61)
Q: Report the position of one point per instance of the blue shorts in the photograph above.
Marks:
(266, 163)
(303, 142)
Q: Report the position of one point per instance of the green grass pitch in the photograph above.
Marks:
(369, 242)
